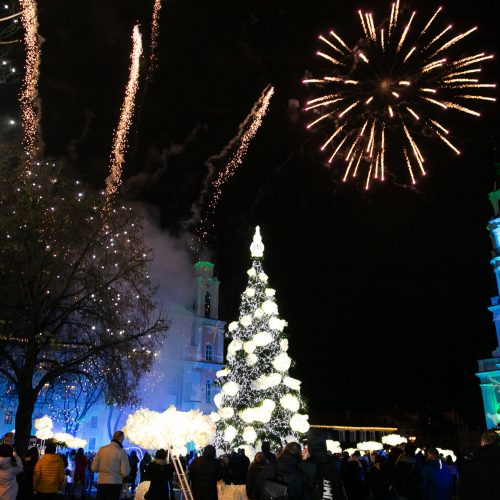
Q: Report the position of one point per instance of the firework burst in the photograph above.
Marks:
(28, 98)
(397, 82)
(113, 181)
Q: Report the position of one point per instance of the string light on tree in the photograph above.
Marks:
(258, 400)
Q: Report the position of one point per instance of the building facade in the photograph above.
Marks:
(489, 368)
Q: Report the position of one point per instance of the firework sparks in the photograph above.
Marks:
(155, 32)
(113, 181)
(28, 98)
(258, 113)
(391, 89)
(246, 132)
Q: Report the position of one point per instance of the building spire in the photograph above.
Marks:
(257, 247)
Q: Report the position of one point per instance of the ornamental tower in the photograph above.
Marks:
(489, 369)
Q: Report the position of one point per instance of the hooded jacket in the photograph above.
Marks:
(480, 479)
(48, 476)
(322, 471)
(10, 467)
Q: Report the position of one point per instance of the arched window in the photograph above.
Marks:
(207, 304)
(208, 391)
(209, 352)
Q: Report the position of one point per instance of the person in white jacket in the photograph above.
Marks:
(112, 465)
(10, 467)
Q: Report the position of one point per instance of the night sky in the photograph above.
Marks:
(385, 291)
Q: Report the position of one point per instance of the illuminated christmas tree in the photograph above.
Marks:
(258, 400)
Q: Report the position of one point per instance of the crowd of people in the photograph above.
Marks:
(295, 472)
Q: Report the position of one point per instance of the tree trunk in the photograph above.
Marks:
(24, 415)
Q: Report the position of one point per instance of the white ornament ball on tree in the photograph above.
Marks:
(226, 412)
(249, 435)
(230, 433)
(282, 362)
(249, 346)
(262, 339)
(270, 307)
(231, 388)
(258, 313)
(252, 359)
(218, 399)
(246, 320)
(214, 416)
(293, 383)
(299, 423)
(290, 402)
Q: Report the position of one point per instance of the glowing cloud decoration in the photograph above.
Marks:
(28, 98)
(114, 179)
(370, 446)
(69, 440)
(379, 93)
(333, 446)
(170, 429)
(393, 439)
(43, 427)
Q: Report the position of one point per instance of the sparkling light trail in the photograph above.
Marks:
(119, 149)
(213, 187)
(28, 98)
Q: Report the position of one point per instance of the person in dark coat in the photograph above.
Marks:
(134, 466)
(25, 479)
(266, 449)
(144, 467)
(408, 474)
(379, 478)
(204, 472)
(256, 468)
(161, 475)
(437, 483)
(287, 469)
(353, 477)
(480, 479)
(322, 470)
